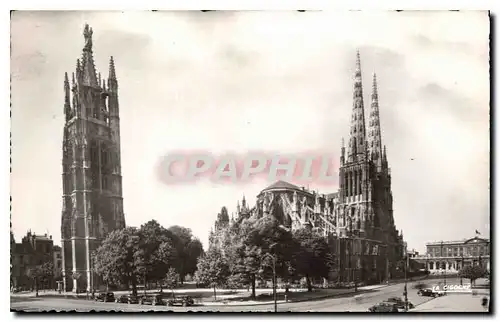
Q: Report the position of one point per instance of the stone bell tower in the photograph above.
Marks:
(92, 181)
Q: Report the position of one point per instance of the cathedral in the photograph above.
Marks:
(92, 182)
(357, 219)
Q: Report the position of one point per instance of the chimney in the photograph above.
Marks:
(50, 236)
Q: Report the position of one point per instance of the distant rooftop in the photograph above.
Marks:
(283, 185)
(461, 241)
(279, 185)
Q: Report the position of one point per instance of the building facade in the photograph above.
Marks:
(32, 251)
(450, 256)
(92, 182)
(358, 218)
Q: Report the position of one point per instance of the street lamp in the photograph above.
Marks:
(273, 258)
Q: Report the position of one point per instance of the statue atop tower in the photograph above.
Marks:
(87, 34)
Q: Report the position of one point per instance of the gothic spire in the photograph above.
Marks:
(374, 135)
(342, 152)
(357, 133)
(67, 99)
(88, 66)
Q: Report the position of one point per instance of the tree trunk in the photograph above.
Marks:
(134, 286)
(215, 294)
(309, 286)
(253, 287)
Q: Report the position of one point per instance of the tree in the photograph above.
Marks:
(156, 253)
(472, 272)
(47, 274)
(246, 265)
(172, 279)
(115, 260)
(212, 269)
(188, 248)
(310, 260)
(268, 235)
(34, 273)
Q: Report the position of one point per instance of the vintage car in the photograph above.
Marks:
(105, 297)
(130, 299)
(384, 307)
(400, 303)
(429, 292)
(180, 300)
(151, 299)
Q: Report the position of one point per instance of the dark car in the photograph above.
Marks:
(105, 297)
(130, 299)
(400, 303)
(181, 300)
(384, 307)
(427, 292)
(151, 299)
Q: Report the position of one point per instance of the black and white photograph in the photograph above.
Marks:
(250, 161)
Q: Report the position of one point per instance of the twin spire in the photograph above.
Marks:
(361, 145)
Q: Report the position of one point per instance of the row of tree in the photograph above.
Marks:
(42, 276)
(243, 253)
(149, 254)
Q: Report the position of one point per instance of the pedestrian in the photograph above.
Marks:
(484, 302)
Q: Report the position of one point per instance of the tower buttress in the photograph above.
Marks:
(374, 134)
(357, 134)
(384, 158)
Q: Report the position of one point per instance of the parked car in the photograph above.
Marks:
(105, 297)
(151, 299)
(130, 299)
(427, 292)
(400, 303)
(180, 300)
(419, 285)
(384, 307)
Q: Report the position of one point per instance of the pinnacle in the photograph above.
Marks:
(358, 61)
(374, 90)
(112, 73)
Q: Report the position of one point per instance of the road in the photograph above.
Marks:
(359, 303)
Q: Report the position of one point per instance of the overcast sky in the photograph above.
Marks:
(279, 81)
